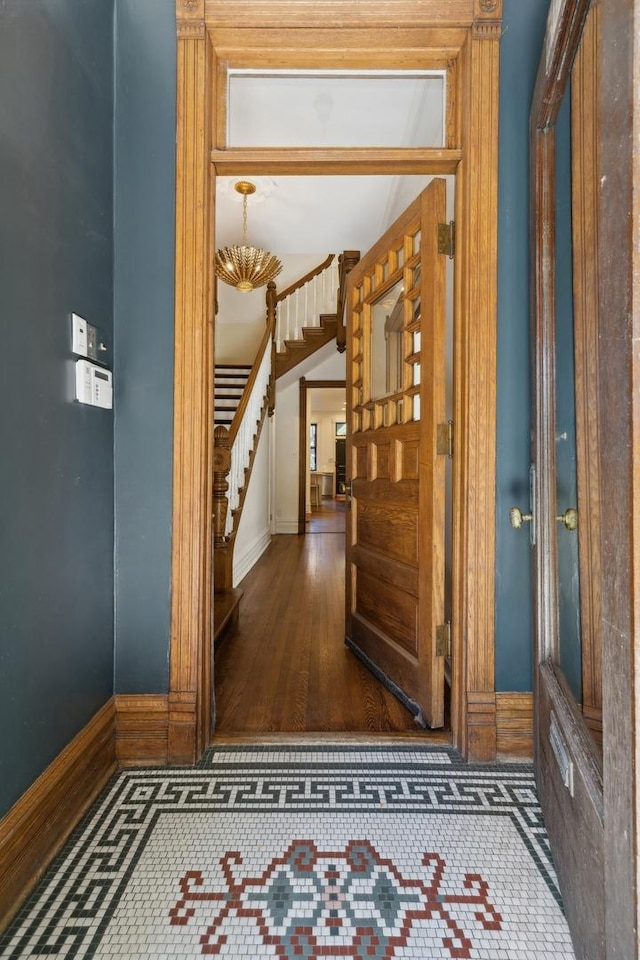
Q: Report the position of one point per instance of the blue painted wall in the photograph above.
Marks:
(523, 30)
(56, 467)
(56, 474)
(145, 96)
(143, 316)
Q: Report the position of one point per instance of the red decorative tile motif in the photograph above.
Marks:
(350, 903)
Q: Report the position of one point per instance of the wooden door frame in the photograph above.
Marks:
(610, 384)
(303, 441)
(619, 410)
(461, 36)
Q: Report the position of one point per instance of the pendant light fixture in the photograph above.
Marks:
(241, 266)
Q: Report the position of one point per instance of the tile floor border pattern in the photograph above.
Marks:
(70, 909)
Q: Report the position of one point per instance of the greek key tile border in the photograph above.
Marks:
(71, 907)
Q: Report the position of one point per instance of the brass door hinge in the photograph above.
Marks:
(444, 439)
(443, 640)
(447, 239)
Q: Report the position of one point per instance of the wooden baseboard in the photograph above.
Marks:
(245, 561)
(142, 729)
(39, 822)
(514, 724)
(481, 726)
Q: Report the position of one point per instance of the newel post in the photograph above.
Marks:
(221, 467)
(346, 263)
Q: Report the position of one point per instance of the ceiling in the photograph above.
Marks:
(314, 215)
(321, 215)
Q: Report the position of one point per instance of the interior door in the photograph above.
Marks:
(565, 478)
(396, 326)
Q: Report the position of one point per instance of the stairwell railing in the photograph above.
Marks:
(234, 450)
(304, 302)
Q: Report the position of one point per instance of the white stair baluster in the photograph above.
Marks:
(241, 449)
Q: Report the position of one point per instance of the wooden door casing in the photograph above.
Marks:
(395, 538)
(463, 37)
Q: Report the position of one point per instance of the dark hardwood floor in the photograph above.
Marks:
(329, 517)
(286, 669)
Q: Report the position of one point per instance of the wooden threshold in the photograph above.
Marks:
(420, 737)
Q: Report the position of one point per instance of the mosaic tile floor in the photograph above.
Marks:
(342, 852)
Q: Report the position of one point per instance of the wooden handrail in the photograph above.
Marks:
(307, 277)
(264, 343)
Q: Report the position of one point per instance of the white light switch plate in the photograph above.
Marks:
(79, 342)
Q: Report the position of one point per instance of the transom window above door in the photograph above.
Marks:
(315, 108)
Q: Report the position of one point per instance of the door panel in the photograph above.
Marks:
(396, 371)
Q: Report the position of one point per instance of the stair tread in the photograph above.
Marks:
(314, 331)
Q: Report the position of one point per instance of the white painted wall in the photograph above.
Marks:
(254, 532)
(326, 364)
(239, 342)
(241, 317)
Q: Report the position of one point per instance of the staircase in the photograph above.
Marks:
(310, 312)
(312, 338)
(242, 400)
(305, 316)
(241, 393)
(229, 383)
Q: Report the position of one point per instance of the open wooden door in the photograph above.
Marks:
(396, 326)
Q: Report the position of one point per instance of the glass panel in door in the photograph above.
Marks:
(569, 653)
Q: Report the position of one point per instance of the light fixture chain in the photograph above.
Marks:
(244, 220)
(246, 267)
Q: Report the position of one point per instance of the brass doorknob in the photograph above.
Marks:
(517, 517)
(569, 518)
